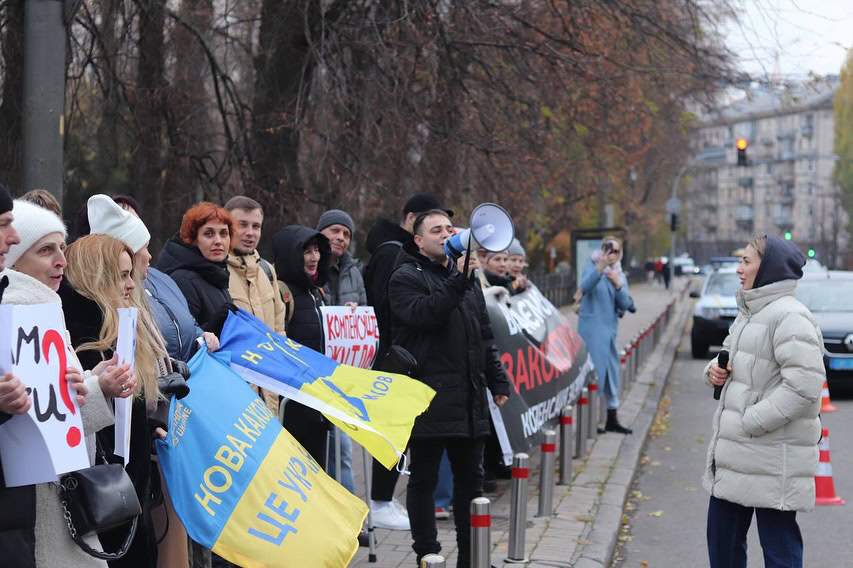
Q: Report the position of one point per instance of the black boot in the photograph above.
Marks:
(613, 424)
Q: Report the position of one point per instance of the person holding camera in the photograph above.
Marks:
(763, 452)
(605, 299)
(439, 315)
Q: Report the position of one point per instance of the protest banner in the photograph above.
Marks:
(546, 361)
(351, 337)
(47, 441)
(242, 486)
(375, 408)
(126, 351)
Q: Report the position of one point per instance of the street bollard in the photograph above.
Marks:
(635, 356)
(518, 509)
(433, 561)
(481, 538)
(546, 476)
(592, 411)
(623, 368)
(580, 432)
(567, 438)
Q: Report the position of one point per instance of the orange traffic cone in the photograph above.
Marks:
(826, 404)
(824, 486)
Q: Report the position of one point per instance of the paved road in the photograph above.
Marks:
(667, 525)
(395, 546)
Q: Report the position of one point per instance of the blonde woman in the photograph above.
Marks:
(101, 278)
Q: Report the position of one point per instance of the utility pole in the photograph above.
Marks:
(45, 26)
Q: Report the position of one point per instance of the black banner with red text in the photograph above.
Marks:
(545, 359)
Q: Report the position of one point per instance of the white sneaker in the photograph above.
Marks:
(400, 507)
(387, 516)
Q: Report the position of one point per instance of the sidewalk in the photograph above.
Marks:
(588, 513)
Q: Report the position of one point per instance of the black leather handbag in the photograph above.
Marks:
(96, 499)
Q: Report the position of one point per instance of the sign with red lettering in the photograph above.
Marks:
(351, 336)
(47, 441)
(546, 362)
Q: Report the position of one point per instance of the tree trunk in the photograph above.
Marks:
(12, 107)
(148, 109)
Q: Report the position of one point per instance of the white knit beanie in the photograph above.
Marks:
(108, 218)
(31, 223)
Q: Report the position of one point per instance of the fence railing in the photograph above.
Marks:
(557, 288)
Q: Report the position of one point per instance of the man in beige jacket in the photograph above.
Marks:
(253, 280)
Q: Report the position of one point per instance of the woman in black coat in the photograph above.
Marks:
(101, 279)
(195, 258)
(302, 258)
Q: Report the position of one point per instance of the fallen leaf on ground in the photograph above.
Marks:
(656, 514)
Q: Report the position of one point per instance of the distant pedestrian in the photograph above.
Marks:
(604, 299)
(666, 270)
(649, 267)
(763, 452)
(659, 271)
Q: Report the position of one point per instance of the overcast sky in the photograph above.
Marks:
(808, 35)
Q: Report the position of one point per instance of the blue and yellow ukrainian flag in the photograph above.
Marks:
(243, 487)
(376, 409)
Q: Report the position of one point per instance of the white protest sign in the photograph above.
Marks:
(352, 337)
(126, 351)
(47, 441)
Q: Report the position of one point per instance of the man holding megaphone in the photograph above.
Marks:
(439, 315)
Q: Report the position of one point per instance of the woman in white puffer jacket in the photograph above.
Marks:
(763, 453)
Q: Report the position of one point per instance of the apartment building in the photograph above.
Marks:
(787, 184)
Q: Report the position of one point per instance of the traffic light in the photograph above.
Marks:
(673, 222)
(811, 253)
(741, 145)
(788, 235)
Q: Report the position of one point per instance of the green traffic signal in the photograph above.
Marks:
(788, 235)
(811, 253)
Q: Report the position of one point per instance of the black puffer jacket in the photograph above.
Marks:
(383, 243)
(84, 319)
(306, 326)
(440, 316)
(203, 283)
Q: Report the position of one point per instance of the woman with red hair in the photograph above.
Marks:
(195, 258)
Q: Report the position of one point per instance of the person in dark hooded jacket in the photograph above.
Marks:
(383, 243)
(439, 315)
(195, 258)
(302, 257)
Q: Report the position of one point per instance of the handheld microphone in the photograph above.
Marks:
(722, 362)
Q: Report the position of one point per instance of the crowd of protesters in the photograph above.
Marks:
(211, 264)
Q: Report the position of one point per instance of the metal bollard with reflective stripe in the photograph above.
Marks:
(546, 476)
(635, 357)
(581, 422)
(481, 539)
(433, 561)
(567, 440)
(518, 509)
(593, 411)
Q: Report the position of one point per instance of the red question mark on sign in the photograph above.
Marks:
(52, 337)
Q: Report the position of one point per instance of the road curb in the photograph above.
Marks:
(600, 538)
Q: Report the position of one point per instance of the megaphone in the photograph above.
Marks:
(490, 228)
